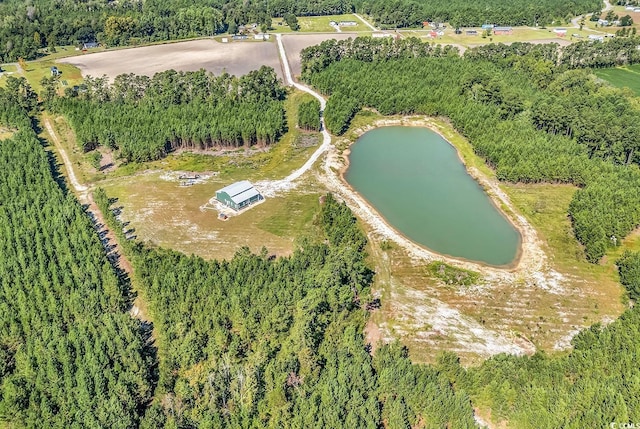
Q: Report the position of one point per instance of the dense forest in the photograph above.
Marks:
(145, 118)
(309, 115)
(532, 120)
(69, 354)
(28, 27)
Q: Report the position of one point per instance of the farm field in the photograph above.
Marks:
(622, 77)
(235, 58)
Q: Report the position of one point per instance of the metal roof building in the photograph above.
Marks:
(239, 195)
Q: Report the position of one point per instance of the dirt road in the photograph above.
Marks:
(107, 236)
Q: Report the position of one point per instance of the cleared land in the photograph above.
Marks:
(520, 34)
(235, 58)
(319, 24)
(622, 77)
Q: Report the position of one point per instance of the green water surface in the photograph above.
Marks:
(414, 178)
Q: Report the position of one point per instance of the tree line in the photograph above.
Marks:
(28, 27)
(530, 120)
(145, 118)
(69, 354)
(461, 13)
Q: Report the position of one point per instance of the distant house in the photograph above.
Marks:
(471, 33)
(347, 23)
(561, 32)
(239, 195)
(89, 45)
(55, 71)
(502, 30)
(595, 37)
(603, 22)
(487, 26)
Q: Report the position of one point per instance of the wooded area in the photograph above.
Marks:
(279, 342)
(309, 115)
(531, 120)
(259, 341)
(69, 354)
(145, 118)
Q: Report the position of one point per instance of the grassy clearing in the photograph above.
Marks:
(546, 207)
(279, 26)
(622, 77)
(36, 70)
(165, 214)
(7, 70)
(310, 24)
(5, 133)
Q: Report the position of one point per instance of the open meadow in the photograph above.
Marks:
(622, 77)
(236, 58)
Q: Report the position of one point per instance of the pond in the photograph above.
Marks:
(414, 178)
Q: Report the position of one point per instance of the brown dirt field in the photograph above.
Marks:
(294, 43)
(236, 58)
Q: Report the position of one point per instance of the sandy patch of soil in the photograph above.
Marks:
(235, 58)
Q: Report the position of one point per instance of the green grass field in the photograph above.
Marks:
(321, 23)
(36, 70)
(7, 70)
(622, 77)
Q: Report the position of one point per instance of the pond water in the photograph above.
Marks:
(416, 181)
